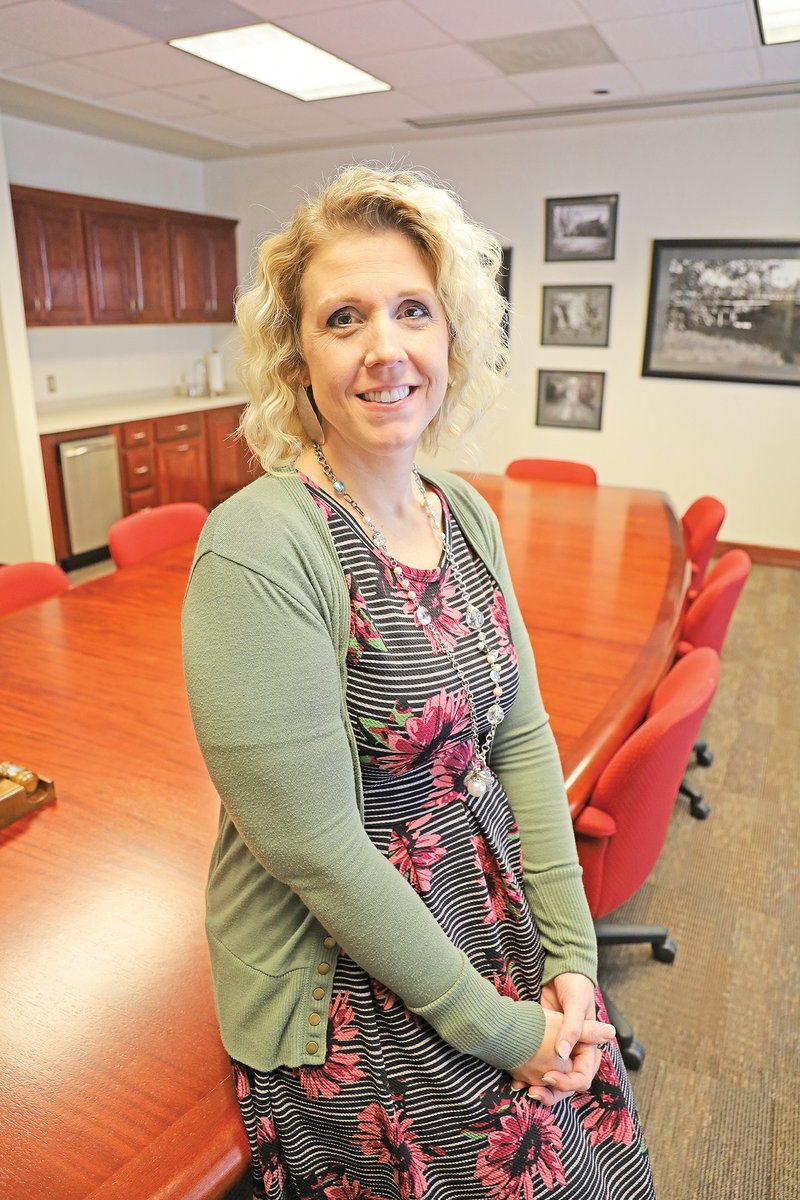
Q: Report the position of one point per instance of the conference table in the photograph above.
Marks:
(113, 1082)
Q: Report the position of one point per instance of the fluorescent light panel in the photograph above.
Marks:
(779, 20)
(282, 61)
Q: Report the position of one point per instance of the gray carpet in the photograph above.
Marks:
(718, 1091)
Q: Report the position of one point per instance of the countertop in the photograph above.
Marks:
(61, 416)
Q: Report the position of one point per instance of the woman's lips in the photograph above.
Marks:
(387, 396)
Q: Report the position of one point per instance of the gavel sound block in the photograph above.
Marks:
(22, 792)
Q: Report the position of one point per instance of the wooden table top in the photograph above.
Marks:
(113, 1082)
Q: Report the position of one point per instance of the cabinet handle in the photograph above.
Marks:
(37, 304)
(141, 470)
(132, 304)
(137, 437)
(181, 428)
(182, 449)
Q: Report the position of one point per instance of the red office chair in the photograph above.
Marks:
(706, 624)
(25, 583)
(621, 831)
(145, 533)
(701, 523)
(555, 470)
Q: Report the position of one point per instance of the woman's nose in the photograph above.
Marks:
(385, 344)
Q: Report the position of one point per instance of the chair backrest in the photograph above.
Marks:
(25, 583)
(621, 832)
(701, 523)
(143, 534)
(708, 617)
(556, 470)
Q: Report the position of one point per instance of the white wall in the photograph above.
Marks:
(736, 176)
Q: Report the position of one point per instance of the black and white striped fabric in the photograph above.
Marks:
(395, 1113)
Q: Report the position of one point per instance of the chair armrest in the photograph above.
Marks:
(594, 823)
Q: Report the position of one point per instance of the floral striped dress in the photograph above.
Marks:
(395, 1113)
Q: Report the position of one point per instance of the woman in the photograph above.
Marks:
(403, 959)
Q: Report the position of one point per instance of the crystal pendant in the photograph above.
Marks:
(423, 616)
(379, 540)
(495, 715)
(473, 617)
(338, 486)
(494, 675)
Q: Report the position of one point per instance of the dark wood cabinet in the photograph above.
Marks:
(230, 464)
(203, 257)
(52, 262)
(85, 260)
(127, 259)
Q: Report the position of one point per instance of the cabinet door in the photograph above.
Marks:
(182, 471)
(52, 263)
(192, 272)
(149, 270)
(108, 256)
(227, 454)
(223, 247)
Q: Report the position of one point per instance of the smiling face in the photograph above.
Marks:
(374, 341)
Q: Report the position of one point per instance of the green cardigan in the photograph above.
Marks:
(294, 876)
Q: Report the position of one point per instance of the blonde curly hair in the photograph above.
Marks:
(463, 258)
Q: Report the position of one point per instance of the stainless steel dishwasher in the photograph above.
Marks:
(92, 490)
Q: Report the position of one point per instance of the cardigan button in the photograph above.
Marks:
(312, 1047)
(329, 943)
(323, 968)
(314, 1019)
(318, 993)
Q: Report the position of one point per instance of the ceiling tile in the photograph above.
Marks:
(700, 72)
(165, 19)
(153, 65)
(59, 75)
(468, 20)
(298, 116)
(152, 103)
(220, 125)
(428, 64)
(273, 10)
(372, 110)
(225, 92)
(483, 95)
(17, 56)
(60, 29)
(616, 10)
(780, 62)
(576, 85)
(724, 28)
(368, 28)
(579, 46)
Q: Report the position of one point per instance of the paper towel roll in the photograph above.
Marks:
(216, 374)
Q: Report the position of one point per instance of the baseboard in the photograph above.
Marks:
(769, 556)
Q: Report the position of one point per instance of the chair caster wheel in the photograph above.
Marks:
(699, 808)
(633, 1055)
(704, 758)
(665, 951)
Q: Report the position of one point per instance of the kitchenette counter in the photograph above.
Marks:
(86, 412)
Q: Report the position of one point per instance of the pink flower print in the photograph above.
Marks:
(600, 1006)
(270, 1155)
(527, 1144)
(391, 1139)
(363, 634)
(449, 773)
(504, 899)
(501, 978)
(241, 1081)
(324, 508)
(435, 592)
(414, 853)
(349, 1189)
(383, 995)
(498, 614)
(604, 1107)
(340, 1065)
(443, 717)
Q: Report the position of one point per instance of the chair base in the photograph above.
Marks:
(703, 756)
(698, 805)
(663, 948)
(631, 1050)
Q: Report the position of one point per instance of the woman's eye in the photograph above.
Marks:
(413, 308)
(342, 319)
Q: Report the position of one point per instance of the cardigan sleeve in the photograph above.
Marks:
(525, 759)
(266, 697)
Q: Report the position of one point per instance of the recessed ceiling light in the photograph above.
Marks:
(779, 21)
(282, 61)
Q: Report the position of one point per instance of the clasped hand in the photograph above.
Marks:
(569, 1057)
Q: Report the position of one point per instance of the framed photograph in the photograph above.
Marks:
(724, 310)
(576, 315)
(580, 227)
(570, 399)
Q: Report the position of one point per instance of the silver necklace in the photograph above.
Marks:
(478, 776)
